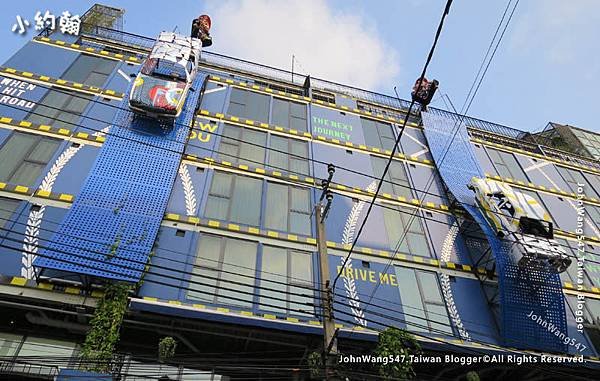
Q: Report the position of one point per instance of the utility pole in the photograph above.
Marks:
(329, 340)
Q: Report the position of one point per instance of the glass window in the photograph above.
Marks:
(414, 241)
(288, 209)
(593, 212)
(294, 268)
(243, 146)
(422, 301)
(571, 275)
(40, 347)
(506, 165)
(7, 208)
(224, 263)
(573, 177)
(396, 179)
(24, 156)
(288, 155)
(378, 134)
(59, 109)
(9, 343)
(249, 105)
(234, 198)
(92, 71)
(291, 115)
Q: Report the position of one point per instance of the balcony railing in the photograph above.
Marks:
(521, 139)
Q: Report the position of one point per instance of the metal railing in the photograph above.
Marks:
(521, 139)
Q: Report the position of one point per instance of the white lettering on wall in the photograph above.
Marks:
(12, 91)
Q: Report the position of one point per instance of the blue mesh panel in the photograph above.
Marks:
(521, 291)
(111, 227)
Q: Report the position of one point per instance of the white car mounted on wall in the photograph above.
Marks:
(160, 88)
(520, 218)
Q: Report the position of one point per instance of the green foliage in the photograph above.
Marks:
(315, 363)
(103, 335)
(166, 348)
(396, 342)
(113, 248)
(472, 376)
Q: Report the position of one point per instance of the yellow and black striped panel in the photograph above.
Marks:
(42, 129)
(242, 122)
(88, 50)
(582, 288)
(333, 245)
(39, 193)
(60, 83)
(233, 311)
(58, 288)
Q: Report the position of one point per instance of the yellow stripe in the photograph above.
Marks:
(18, 281)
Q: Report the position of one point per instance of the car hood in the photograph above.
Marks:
(157, 94)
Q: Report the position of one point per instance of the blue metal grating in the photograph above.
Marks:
(111, 227)
(521, 291)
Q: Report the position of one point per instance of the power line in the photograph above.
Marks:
(389, 162)
(251, 277)
(162, 275)
(308, 159)
(426, 192)
(456, 129)
(340, 311)
(16, 221)
(159, 275)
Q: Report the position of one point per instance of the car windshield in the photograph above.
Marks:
(536, 227)
(161, 68)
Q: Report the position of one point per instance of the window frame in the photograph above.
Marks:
(503, 164)
(425, 303)
(37, 139)
(401, 212)
(290, 115)
(230, 197)
(290, 281)
(289, 156)
(290, 208)
(247, 94)
(376, 130)
(218, 270)
(393, 183)
(241, 143)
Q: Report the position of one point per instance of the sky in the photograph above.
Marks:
(547, 67)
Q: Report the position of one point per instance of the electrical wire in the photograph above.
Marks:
(488, 64)
(396, 144)
(162, 275)
(224, 137)
(456, 129)
(261, 279)
(336, 310)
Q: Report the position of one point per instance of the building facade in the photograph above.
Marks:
(572, 139)
(233, 272)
